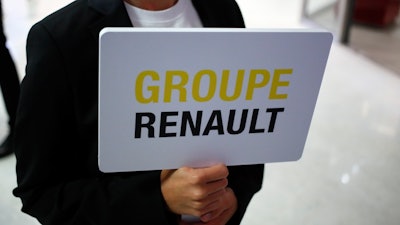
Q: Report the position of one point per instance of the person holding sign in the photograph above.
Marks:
(56, 132)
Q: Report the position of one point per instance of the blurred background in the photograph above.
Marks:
(349, 170)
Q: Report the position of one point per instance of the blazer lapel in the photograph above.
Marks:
(217, 13)
(114, 15)
(201, 10)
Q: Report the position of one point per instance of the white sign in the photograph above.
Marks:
(195, 97)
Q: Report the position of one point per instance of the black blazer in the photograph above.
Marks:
(56, 129)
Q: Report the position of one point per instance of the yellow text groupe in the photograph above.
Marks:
(149, 87)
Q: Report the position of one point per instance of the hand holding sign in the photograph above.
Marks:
(230, 207)
(199, 192)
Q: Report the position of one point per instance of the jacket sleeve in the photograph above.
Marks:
(245, 181)
(56, 178)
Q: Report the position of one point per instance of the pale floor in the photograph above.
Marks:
(349, 171)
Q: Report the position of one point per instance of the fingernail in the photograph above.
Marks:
(207, 217)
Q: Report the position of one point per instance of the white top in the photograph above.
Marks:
(182, 14)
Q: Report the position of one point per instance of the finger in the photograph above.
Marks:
(216, 209)
(222, 218)
(213, 199)
(216, 186)
(211, 174)
(226, 204)
(204, 206)
(207, 193)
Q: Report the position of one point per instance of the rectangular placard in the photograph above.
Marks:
(195, 97)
